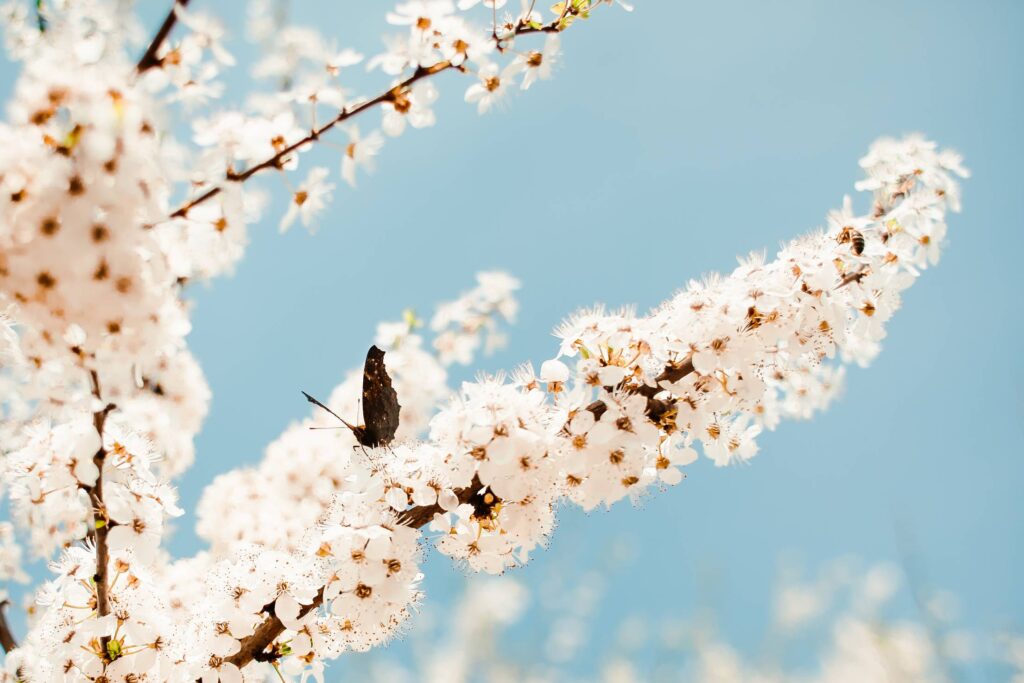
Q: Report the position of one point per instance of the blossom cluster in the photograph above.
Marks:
(706, 371)
(272, 504)
(54, 483)
(84, 266)
(96, 248)
(364, 574)
(709, 368)
(311, 98)
(106, 218)
(458, 324)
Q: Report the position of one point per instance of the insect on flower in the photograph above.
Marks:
(380, 404)
(853, 237)
(486, 507)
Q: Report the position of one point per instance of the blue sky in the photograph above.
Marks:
(671, 140)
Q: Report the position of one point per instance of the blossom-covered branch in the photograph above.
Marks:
(433, 24)
(710, 368)
(316, 550)
(255, 646)
(397, 95)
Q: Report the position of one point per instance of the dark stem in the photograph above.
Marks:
(7, 640)
(390, 95)
(277, 161)
(149, 59)
(100, 523)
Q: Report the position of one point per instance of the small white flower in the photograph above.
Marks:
(309, 199)
(360, 152)
(489, 90)
(536, 64)
(413, 107)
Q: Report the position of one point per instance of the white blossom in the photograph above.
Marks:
(106, 216)
(309, 199)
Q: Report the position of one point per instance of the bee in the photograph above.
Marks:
(486, 506)
(853, 237)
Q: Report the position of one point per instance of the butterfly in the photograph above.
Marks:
(380, 404)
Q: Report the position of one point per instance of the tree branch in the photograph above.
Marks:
(100, 522)
(7, 640)
(253, 647)
(277, 161)
(390, 95)
(149, 59)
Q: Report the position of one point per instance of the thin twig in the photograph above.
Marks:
(278, 159)
(149, 59)
(392, 94)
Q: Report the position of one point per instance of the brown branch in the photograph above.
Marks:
(393, 94)
(7, 641)
(149, 59)
(556, 26)
(100, 522)
(674, 372)
(855, 276)
(254, 647)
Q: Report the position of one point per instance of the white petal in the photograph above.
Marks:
(229, 673)
(287, 610)
(554, 371)
(671, 476)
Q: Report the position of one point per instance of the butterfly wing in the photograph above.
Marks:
(380, 402)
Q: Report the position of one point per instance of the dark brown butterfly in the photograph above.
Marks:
(380, 404)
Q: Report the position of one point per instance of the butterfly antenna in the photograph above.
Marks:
(321, 405)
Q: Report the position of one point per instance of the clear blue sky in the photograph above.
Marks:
(687, 133)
